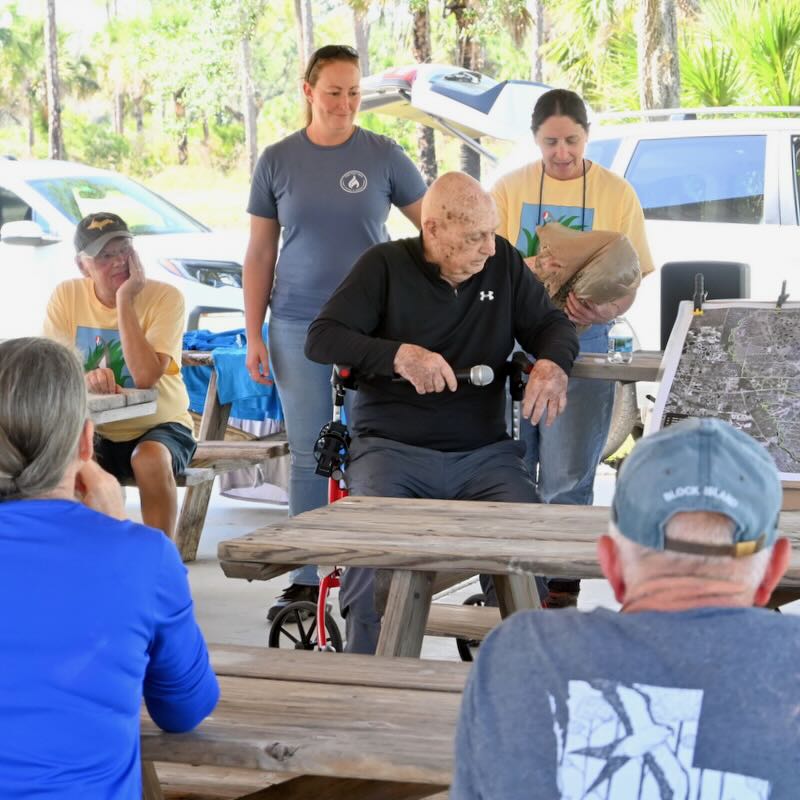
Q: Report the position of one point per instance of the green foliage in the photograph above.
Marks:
(775, 50)
(227, 144)
(744, 51)
(94, 143)
(710, 75)
(583, 33)
(177, 64)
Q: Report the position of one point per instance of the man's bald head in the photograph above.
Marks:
(455, 196)
(458, 223)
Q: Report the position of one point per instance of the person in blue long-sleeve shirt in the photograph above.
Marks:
(96, 610)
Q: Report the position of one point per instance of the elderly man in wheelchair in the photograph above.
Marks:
(413, 318)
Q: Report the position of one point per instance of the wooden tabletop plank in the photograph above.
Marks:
(128, 403)
(304, 727)
(339, 668)
(438, 535)
(645, 365)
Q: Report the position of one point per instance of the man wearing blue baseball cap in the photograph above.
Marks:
(691, 692)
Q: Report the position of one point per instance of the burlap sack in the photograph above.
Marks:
(600, 266)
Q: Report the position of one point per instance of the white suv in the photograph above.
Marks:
(711, 190)
(42, 201)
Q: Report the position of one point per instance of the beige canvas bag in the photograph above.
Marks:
(600, 266)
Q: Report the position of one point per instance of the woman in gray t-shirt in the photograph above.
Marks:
(325, 192)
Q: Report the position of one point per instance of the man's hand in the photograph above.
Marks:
(585, 312)
(546, 392)
(101, 381)
(257, 361)
(135, 282)
(99, 490)
(424, 370)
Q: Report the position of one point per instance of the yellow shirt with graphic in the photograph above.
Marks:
(611, 205)
(77, 318)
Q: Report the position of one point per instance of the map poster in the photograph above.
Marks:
(739, 361)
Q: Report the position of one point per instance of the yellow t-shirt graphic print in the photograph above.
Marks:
(77, 318)
(611, 205)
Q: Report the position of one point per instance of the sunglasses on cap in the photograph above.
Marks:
(330, 51)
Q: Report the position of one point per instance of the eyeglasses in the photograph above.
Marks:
(106, 257)
(330, 51)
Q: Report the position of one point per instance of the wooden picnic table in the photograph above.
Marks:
(346, 725)
(416, 539)
(128, 403)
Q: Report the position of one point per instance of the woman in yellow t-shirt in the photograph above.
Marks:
(565, 187)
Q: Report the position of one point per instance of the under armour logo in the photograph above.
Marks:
(487, 296)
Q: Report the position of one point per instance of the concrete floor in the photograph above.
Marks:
(234, 611)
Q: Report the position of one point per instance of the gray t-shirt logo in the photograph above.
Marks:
(353, 181)
(637, 741)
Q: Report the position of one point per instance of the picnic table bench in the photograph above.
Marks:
(337, 725)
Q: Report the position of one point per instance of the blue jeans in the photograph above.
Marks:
(567, 453)
(305, 391)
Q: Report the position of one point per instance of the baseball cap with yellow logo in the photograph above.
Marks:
(96, 230)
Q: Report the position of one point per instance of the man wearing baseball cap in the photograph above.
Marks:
(129, 331)
(691, 691)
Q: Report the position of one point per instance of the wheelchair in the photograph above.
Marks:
(304, 625)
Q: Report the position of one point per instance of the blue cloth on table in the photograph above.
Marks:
(250, 400)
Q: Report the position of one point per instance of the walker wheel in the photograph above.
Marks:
(467, 647)
(295, 626)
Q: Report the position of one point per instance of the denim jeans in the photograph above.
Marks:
(305, 391)
(567, 453)
(385, 468)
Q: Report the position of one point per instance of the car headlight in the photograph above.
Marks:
(210, 273)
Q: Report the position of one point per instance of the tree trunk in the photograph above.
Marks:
(55, 133)
(31, 122)
(180, 117)
(421, 48)
(138, 114)
(249, 106)
(470, 56)
(536, 10)
(659, 71)
(361, 30)
(119, 112)
(305, 31)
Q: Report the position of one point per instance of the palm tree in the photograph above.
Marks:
(55, 132)
(421, 48)
(23, 90)
(304, 17)
(361, 31)
(759, 61)
(469, 54)
(659, 65)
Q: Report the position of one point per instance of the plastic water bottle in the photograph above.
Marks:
(620, 342)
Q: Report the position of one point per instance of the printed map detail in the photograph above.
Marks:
(743, 365)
